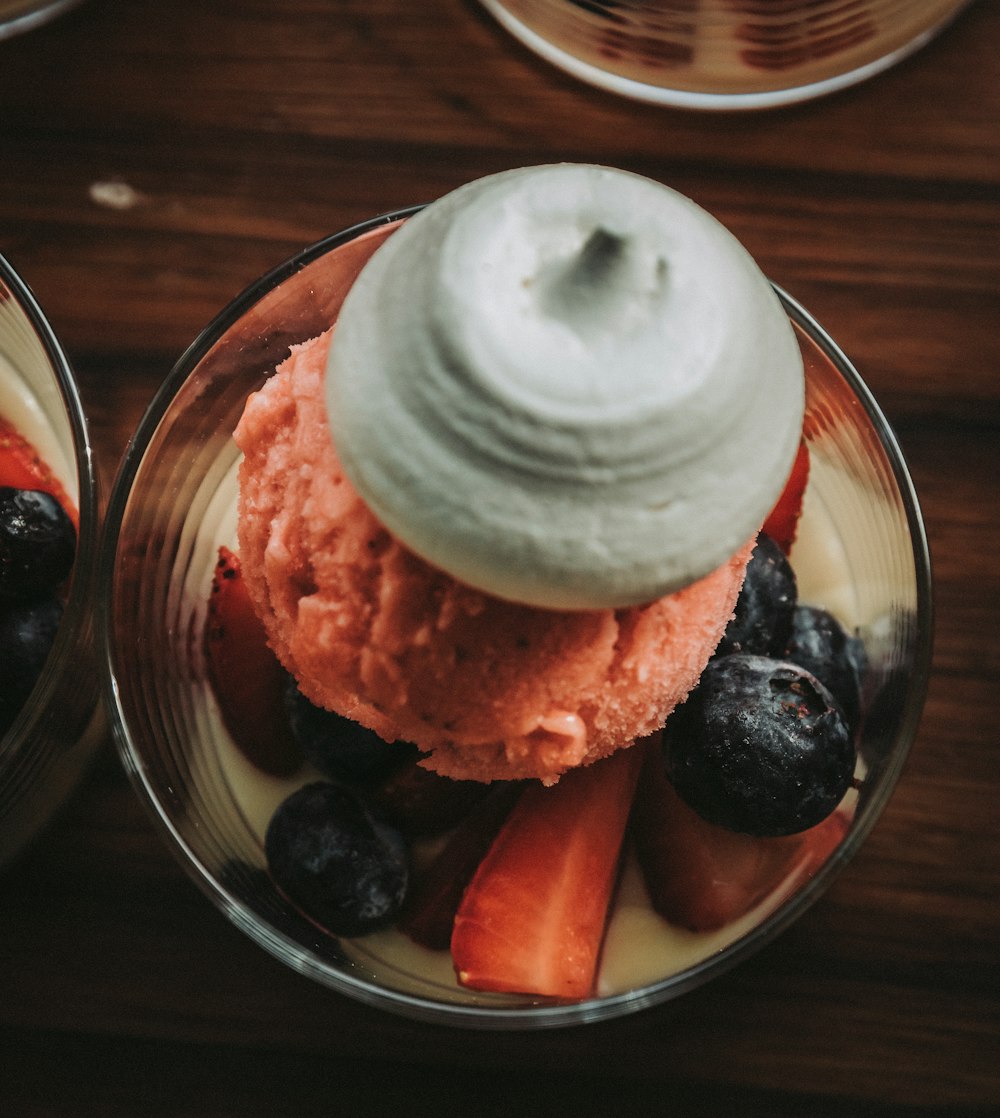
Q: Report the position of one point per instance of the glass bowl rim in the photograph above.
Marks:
(416, 1007)
(33, 15)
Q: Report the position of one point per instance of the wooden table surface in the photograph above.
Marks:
(154, 159)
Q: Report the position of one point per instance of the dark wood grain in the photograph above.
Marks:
(236, 133)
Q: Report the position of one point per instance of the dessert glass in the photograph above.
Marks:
(173, 504)
(49, 743)
(724, 54)
(18, 16)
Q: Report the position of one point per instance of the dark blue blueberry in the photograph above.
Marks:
(820, 644)
(37, 543)
(27, 632)
(342, 868)
(760, 746)
(338, 747)
(763, 617)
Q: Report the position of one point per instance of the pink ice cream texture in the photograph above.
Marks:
(487, 688)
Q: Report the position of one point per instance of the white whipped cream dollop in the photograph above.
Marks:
(568, 386)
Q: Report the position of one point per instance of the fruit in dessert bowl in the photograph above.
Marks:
(375, 829)
(50, 716)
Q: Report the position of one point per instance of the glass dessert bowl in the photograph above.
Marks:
(721, 54)
(50, 727)
(860, 553)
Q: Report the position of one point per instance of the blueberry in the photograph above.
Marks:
(27, 632)
(820, 644)
(346, 871)
(338, 747)
(760, 746)
(763, 615)
(37, 543)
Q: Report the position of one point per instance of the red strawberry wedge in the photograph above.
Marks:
(783, 520)
(701, 876)
(428, 915)
(418, 802)
(247, 679)
(533, 917)
(21, 467)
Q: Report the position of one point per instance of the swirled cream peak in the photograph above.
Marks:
(566, 385)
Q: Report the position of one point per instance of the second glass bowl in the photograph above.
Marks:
(46, 748)
(861, 553)
(724, 54)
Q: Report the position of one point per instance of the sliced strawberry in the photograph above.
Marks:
(533, 917)
(783, 520)
(417, 801)
(246, 677)
(428, 914)
(701, 876)
(22, 467)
